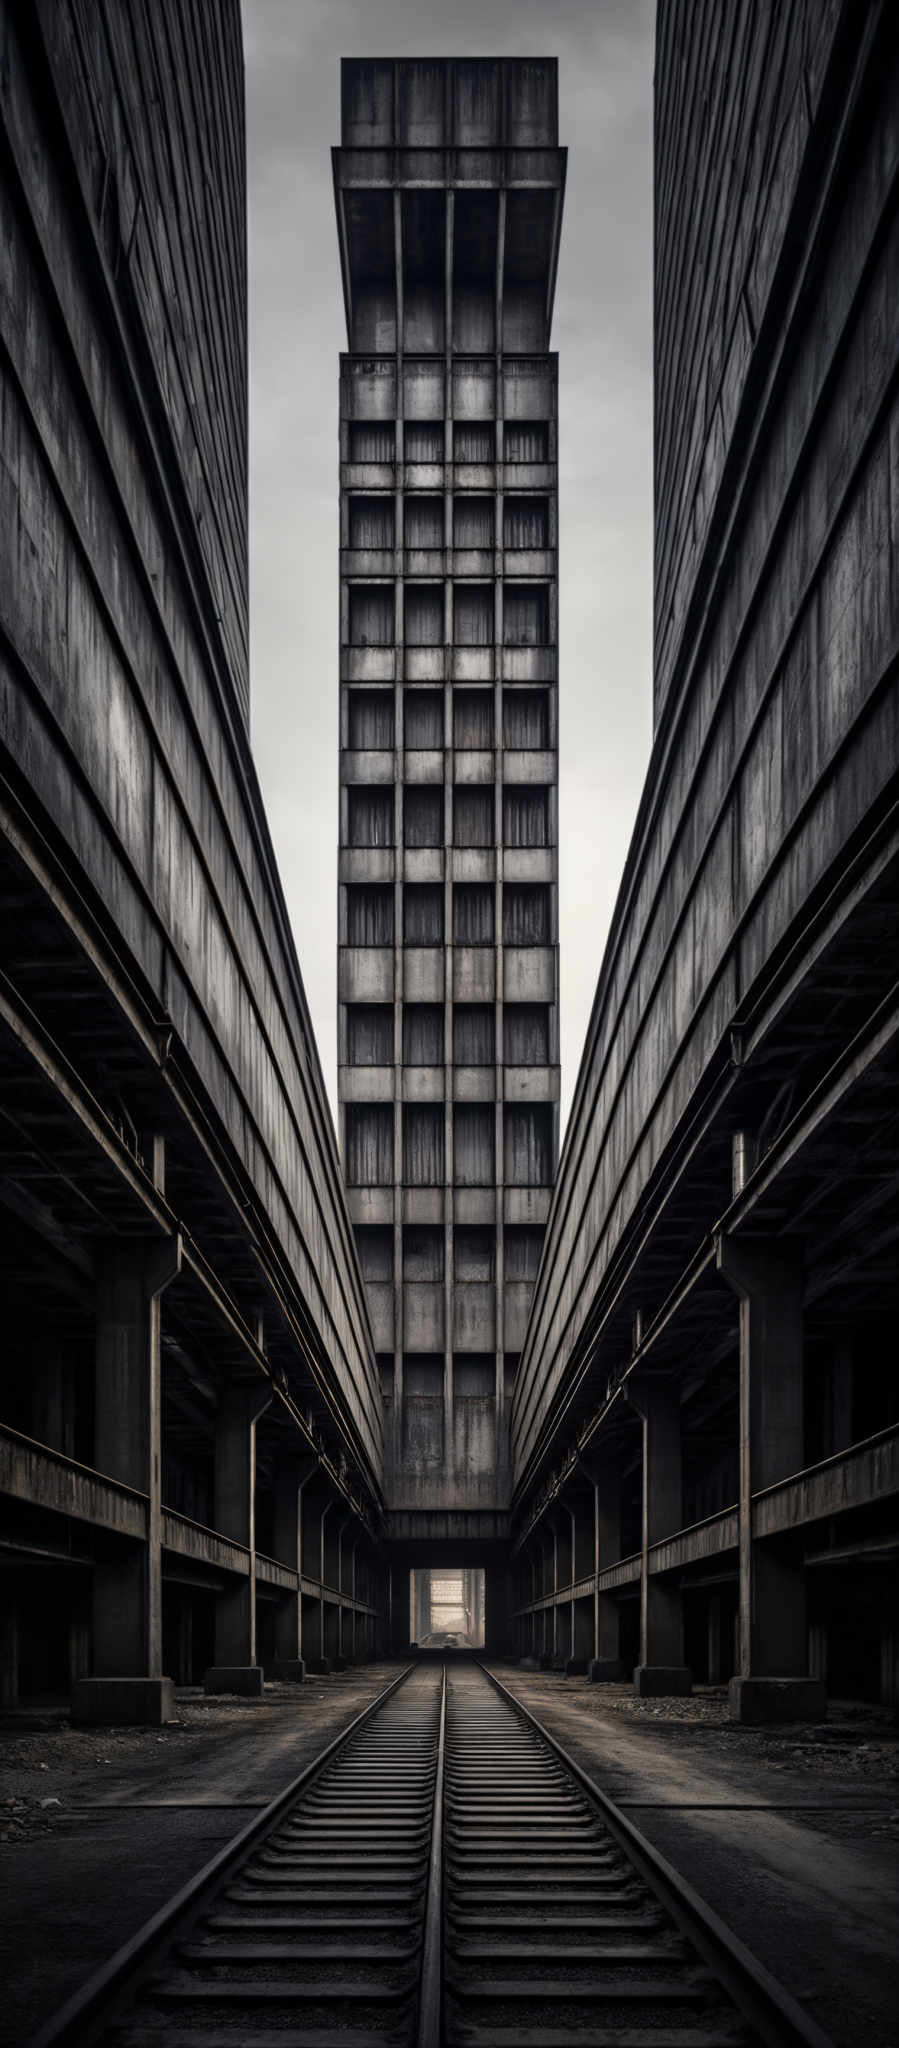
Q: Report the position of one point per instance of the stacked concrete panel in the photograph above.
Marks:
(190, 1429)
(705, 1443)
(449, 185)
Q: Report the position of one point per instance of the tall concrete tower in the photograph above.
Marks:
(449, 185)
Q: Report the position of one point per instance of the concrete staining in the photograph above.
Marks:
(704, 1438)
(449, 184)
(245, 1393)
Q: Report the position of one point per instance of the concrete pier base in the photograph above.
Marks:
(575, 1667)
(605, 1671)
(319, 1665)
(290, 1670)
(754, 1701)
(246, 1679)
(123, 1702)
(658, 1681)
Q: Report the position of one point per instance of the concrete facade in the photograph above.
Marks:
(704, 1439)
(449, 184)
(190, 1424)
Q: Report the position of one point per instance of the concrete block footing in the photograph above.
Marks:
(319, 1665)
(658, 1681)
(123, 1702)
(757, 1700)
(605, 1671)
(245, 1679)
(289, 1669)
(528, 1663)
(575, 1667)
(544, 1661)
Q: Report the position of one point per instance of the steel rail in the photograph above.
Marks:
(89, 2006)
(430, 2008)
(777, 2017)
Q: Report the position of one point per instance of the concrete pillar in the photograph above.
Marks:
(715, 1660)
(288, 1545)
(9, 1652)
(773, 1680)
(234, 1493)
(52, 1391)
(127, 1682)
(605, 1665)
(661, 1669)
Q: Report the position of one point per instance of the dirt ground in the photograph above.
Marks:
(789, 1833)
(99, 1826)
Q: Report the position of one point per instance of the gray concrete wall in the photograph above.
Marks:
(123, 659)
(447, 970)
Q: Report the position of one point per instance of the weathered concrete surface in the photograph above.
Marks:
(140, 1813)
(791, 1839)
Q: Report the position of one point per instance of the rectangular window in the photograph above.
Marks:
(474, 1160)
(423, 1145)
(369, 1144)
(472, 719)
(526, 718)
(369, 914)
(422, 914)
(528, 1145)
(423, 440)
(422, 1253)
(374, 1245)
(424, 614)
(474, 1255)
(526, 1034)
(523, 1246)
(525, 815)
(526, 523)
(371, 523)
(526, 914)
(370, 816)
(473, 522)
(474, 1372)
(372, 615)
(423, 522)
(474, 1035)
(370, 1035)
(473, 811)
(525, 615)
(423, 1374)
(372, 441)
(422, 816)
(371, 720)
(527, 441)
(423, 718)
(422, 1034)
(473, 614)
(474, 441)
(473, 914)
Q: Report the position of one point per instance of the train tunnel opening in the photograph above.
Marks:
(446, 1608)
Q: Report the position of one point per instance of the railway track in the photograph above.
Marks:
(444, 1877)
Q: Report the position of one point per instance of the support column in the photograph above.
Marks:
(234, 1492)
(661, 1669)
(773, 1682)
(288, 1542)
(605, 1667)
(127, 1684)
(714, 1639)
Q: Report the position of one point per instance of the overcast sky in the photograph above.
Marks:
(603, 332)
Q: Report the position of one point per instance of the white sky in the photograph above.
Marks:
(603, 332)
